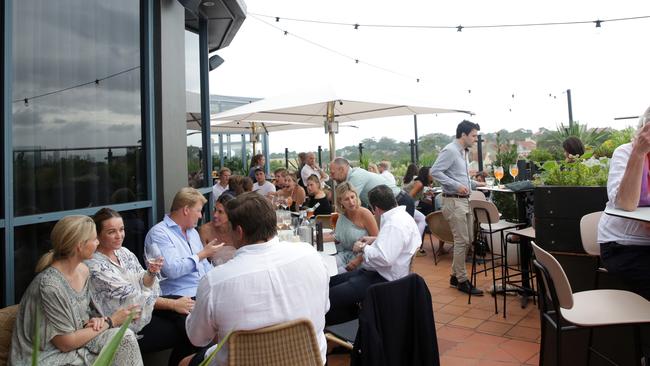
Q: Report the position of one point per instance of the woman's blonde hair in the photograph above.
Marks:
(341, 190)
(644, 118)
(69, 232)
(187, 196)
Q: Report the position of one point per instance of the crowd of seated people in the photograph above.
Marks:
(89, 283)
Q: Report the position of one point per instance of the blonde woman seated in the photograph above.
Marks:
(72, 331)
(354, 223)
(219, 228)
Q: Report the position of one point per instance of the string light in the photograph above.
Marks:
(458, 28)
(96, 82)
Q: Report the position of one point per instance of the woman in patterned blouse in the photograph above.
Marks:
(118, 279)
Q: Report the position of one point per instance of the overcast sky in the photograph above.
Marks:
(607, 68)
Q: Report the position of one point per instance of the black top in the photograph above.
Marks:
(324, 209)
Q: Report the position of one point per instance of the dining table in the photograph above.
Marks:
(640, 214)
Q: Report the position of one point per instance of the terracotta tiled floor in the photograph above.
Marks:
(472, 334)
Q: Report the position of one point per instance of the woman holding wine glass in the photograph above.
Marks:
(119, 280)
(219, 229)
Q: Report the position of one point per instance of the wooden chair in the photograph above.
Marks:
(439, 227)
(290, 343)
(585, 309)
(7, 320)
(589, 237)
(325, 220)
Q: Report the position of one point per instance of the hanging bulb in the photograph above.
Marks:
(356, 26)
(598, 22)
(277, 19)
(459, 28)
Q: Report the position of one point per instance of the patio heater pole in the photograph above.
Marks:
(320, 157)
(417, 152)
(330, 129)
(568, 97)
(479, 147)
(286, 157)
(412, 151)
(360, 151)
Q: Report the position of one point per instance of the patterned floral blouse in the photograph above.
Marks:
(117, 285)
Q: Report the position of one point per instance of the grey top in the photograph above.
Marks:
(63, 311)
(364, 181)
(346, 233)
(451, 170)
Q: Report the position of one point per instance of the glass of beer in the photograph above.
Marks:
(498, 173)
(514, 171)
(333, 219)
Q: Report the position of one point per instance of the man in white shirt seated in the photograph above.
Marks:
(311, 168)
(384, 170)
(262, 186)
(266, 283)
(385, 258)
(222, 185)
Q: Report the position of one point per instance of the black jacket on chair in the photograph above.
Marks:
(396, 326)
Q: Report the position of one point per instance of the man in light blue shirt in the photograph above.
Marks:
(185, 258)
(451, 170)
(364, 181)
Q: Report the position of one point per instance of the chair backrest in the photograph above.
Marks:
(477, 195)
(558, 278)
(439, 226)
(589, 232)
(7, 320)
(485, 212)
(325, 220)
(290, 343)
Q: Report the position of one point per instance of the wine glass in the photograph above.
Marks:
(138, 299)
(153, 255)
(514, 171)
(498, 174)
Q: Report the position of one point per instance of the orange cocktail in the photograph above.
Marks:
(333, 219)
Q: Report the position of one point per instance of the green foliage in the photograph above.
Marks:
(540, 155)
(276, 164)
(107, 354)
(616, 139)
(364, 161)
(208, 360)
(585, 171)
(593, 136)
(506, 154)
(235, 164)
(36, 335)
(428, 158)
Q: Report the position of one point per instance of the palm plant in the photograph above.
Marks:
(591, 137)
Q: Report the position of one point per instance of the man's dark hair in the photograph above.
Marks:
(381, 196)
(573, 146)
(466, 127)
(258, 170)
(254, 214)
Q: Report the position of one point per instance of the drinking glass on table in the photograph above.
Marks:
(333, 219)
(154, 258)
(498, 173)
(514, 171)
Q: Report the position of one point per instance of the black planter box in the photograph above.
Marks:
(558, 211)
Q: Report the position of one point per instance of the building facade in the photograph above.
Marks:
(94, 115)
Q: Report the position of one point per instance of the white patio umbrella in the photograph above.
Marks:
(327, 107)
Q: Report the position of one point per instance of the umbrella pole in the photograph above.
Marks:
(330, 129)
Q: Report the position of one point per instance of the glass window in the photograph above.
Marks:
(32, 241)
(77, 123)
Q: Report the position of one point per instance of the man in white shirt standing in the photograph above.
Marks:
(311, 168)
(262, 186)
(222, 184)
(386, 257)
(384, 170)
(266, 283)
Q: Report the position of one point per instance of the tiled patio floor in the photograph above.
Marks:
(472, 334)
